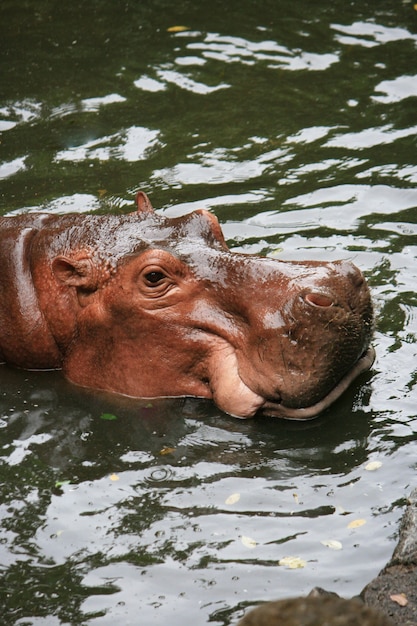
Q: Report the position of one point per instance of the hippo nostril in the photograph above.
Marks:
(319, 299)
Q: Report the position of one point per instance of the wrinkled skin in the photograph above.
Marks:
(147, 306)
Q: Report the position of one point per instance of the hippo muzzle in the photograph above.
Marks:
(146, 306)
(302, 354)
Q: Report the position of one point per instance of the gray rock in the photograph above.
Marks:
(399, 576)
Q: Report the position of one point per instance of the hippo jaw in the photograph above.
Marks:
(233, 396)
(304, 413)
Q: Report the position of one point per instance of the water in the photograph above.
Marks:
(295, 123)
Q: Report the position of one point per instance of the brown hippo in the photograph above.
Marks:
(144, 305)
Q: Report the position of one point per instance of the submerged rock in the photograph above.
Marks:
(329, 610)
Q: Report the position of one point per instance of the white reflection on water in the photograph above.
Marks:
(190, 60)
(228, 49)
(6, 125)
(407, 173)
(187, 83)
(370, 137)
(400, 228)
(21, 448)
(221, 166)
(77, 203)
(149, 84)
(251, 197)
(131, 145)
(362, 199)
(396, 89)
(93, 104)
(338, 208)
(310, 134)
(20, 111)
(369, 34)
(12, 167)
(238, 50)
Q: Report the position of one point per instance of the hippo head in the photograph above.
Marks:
(153, 306)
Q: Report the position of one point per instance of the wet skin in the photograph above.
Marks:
(147, 306)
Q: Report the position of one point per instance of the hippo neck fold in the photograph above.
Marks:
(25, 338)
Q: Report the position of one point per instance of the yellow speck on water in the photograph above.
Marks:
(235, 497)
(166, 450)
(356, 523)
(114, 477)
(248, 542)
(373, 465)
(292, 562)
(177, 29)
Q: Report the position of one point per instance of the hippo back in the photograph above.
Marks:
(20, 314)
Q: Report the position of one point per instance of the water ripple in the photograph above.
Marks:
(369, 34)
(133, 144)
(397, 89)
(12, 167)
(229, 49)
(370, 137)
(186, 82)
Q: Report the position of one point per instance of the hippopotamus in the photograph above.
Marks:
(147, 306)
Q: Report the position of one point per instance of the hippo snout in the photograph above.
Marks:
(324, 341)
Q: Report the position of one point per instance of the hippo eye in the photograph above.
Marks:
(154, 277)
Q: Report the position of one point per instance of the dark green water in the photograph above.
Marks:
(296, 124)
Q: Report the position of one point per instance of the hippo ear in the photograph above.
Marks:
(143, 203)
(76, 272)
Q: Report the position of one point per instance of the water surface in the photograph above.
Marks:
(295, 123)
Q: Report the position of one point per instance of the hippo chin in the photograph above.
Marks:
(146, 306)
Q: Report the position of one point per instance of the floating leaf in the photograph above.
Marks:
(356, 523)
(114, 477)
(292, 562)
(373, 465)
(166, 450)
(60, 483)
(333, 544)
(177, 29)
(248, 542)
(276, 252)
(399, 598)
(108, 416)
(235, 497)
